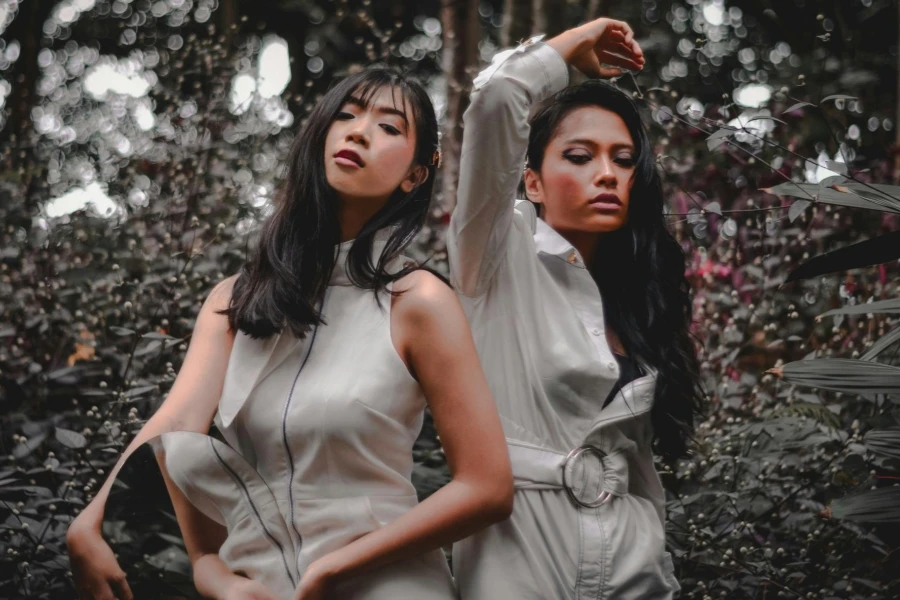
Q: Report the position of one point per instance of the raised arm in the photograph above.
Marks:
(190, 405)
(495, 136)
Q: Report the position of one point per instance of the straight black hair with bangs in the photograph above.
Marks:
(283, 282)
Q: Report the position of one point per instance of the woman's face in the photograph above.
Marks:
(369, 149)
(585, 180)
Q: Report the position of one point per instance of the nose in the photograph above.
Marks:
(357, 134)
(606, 175)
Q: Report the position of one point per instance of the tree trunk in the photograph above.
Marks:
(897, 120)
(518, 21)
(595, 10)
(26, 28)
(461, 32)
(549, 17)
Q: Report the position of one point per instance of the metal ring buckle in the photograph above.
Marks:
(604, 495)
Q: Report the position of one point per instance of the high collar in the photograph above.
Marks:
(340, 275)
(549, 241)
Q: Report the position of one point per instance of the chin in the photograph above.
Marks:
(603, 224)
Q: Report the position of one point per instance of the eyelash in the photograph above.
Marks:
(390, 129)
(583, 159)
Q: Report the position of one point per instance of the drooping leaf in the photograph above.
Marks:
(876, 251)
(766, 118)
(121, 330)
(884, 442)
(837, 167)
(885, 341)
(794, 107)
(874, 506)
(838, 97)
(797, 208)
(882, 306)
(842, 375)
(840, 195)
(70, 439)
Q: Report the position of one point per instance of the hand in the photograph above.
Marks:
(315, 582)
(248, 589)
(602, 41)
(95, 569)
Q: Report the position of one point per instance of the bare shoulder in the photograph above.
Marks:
(424, 296)
(219, 297)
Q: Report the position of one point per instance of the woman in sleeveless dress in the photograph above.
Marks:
(316, 363)
(580, 315)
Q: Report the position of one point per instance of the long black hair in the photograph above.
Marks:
(284, 281)
(646, 296)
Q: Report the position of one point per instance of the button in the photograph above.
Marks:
(611, 365)
(595, 331)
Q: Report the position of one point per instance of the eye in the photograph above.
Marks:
(342, 116)
(626, 160)
(390, 129)
(577, 158)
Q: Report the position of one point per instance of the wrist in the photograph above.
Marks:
(569, 43)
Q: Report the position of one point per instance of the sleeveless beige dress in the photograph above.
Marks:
(320, 434)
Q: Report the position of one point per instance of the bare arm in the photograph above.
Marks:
(431, 332)
(190, 405)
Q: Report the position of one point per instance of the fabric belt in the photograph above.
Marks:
(589, 475)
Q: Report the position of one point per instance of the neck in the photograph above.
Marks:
(356, 212)
(583, 241)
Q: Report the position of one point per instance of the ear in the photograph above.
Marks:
(416, 177)
(533, 188)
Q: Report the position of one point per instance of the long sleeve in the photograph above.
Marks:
(495, 138)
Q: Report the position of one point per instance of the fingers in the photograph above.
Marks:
(616, 60)
(610, 72)
(121, 587)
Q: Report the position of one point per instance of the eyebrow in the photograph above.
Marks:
(387, 110)
(593, 144)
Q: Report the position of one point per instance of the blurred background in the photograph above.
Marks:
(141, 142)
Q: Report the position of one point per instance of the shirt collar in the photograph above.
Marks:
(548, 241)
(340, 276)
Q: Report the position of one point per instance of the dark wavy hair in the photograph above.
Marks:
(284, 281)
(646, 296)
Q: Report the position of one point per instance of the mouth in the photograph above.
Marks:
(348, 158)
(606, 201)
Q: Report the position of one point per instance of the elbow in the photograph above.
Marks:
(499, 498)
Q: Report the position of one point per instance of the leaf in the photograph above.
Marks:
(882, 306)
(816, 412)
(838, 167)
(798, 207)
(885, 341)
(794, 107)
(70, 439)
(874, 506)
(876, 251)
(884, 442)
(714, 207)
(838, 97)
(30, 445)
(844, 195)
(765, 117)
(155, 335)
(843, 375)
(140, 391)
(122, 330)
